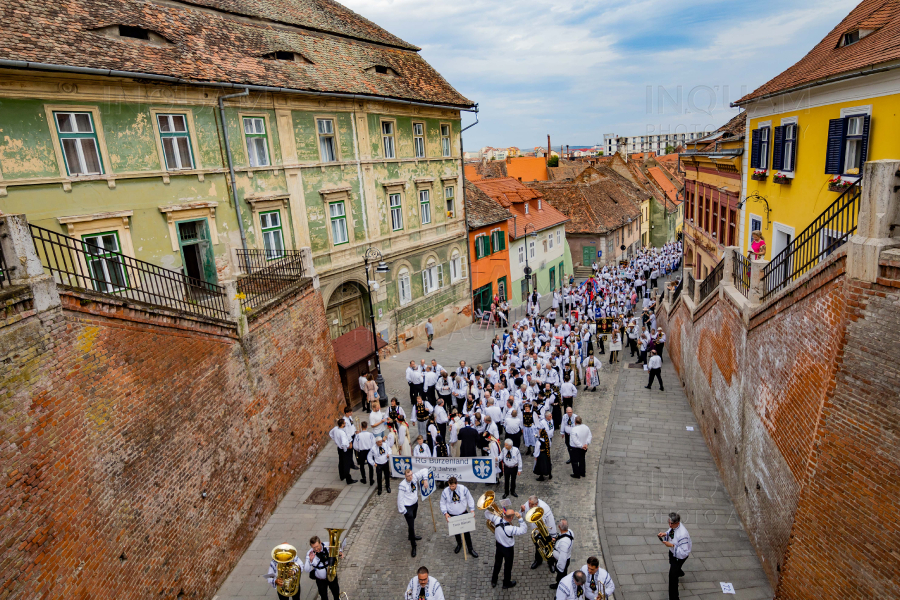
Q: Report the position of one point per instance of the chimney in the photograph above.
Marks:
(567, 152)
(548, 147)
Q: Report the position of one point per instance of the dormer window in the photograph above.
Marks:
(381, 70)
(131, 32)
(539, 201)
(526, 208)
(288, 56)
(137, 33)
(851, 37)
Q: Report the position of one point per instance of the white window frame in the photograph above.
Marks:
(333, 218)
(856, 139)
(787, 152)
(268, 233)
(558, 237)
(764, 135)
(522, 254)
(751, 230)
(550, 241)
(404, 287)
(389, 140)
(432, 277)
(456, 272)
(531, 249)
(446, 146)
(419, 139)
(252, 139)
(176, 135)
(450, 199)
(396, 211)
(79, 137)
(424, 207)
(321, 136)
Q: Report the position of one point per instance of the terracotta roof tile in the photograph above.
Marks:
(663, 182)
(355, 346)
(512, 194)
(527, 168)
(207, 45)
(481, 209)
(828, 58)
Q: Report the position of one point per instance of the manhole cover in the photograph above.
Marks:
(323, 496)
(634, 366)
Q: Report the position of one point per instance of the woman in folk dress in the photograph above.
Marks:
(528, 425)
(591, 372)
(403, 446)
(542, 464)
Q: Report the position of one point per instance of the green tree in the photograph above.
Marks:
(553, 162)
(670, 149)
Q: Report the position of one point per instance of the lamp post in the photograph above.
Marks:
(527, 268)
(373, 254)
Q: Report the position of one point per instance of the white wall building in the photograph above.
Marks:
(648, 143)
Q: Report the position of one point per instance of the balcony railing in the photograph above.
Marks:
(712, 281)
(677, 291)
(691, 282)
(741, 273)
(83, 265)
(827, 233)
(4, 271)
(254, 260)
(267, 283)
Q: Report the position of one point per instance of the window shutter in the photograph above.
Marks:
(754, 149)
(834, 154)
(463, 267)
(778, 148)
(865, 143)
(794, 148)
(502, 238)
(425, 289)
(440, 270)
(478, 253)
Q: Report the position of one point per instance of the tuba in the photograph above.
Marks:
(283, 555)
(486, 502)
(541, 535)
(334, 548)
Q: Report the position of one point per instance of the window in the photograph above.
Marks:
(521, 255)
(338, 223)
(526, 208)
(558, 237)
(257, 141)
(79, 143)
(396, 212)
(404, 287)
(445, 140)
(176, 142)
(419, 139)
(432, 277)
(848, 142)
(273, 236)
(732, 227)
(482, 246)
(387, 139)
(759, 149)
(449, 197)
(498, 240)
(456, 267)
(327, 150)
(550, 241)
(104, 263)
(755, 225)
(790, 145)
(853, 145)
(531, 249)
(425, 206)
(850, 38)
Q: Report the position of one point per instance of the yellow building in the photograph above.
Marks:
(811, 128)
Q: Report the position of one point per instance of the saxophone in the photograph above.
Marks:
(287, 571)
(541, 535)
(334, 549)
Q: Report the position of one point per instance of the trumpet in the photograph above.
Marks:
(486, 502)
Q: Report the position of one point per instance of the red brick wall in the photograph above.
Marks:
(116, 421)
(800, 411)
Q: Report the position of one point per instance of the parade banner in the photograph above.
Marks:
(427, 486)
(464, 469)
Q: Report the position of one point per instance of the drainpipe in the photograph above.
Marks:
(234, 198)
(462, 165)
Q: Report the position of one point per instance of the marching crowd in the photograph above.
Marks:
(515, 409)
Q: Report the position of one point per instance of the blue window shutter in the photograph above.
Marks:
(778, 148)
(754, 149)
(834, 154)
(865, 143)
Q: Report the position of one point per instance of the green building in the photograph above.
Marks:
(340, 138)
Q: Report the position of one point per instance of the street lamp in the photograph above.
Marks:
(373, 254)
(527, 268)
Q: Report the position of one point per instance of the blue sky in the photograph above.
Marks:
(576, 70)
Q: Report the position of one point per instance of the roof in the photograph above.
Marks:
(527, 168)
(663, 182)
(486, 169)
(567, 169)
(355, 346)
(827, 59)
(597, 201)
(512, 194)
(223, 41)
(481, 209)
(733, 130)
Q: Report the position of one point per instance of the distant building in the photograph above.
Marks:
(658, 143)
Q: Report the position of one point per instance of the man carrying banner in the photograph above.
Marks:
(457, 500)
(408, 503)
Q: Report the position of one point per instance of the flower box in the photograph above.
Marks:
(759, 176)
(837, 184)
(782, 179)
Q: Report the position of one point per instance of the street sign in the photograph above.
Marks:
(599, 253)
(461, 524)
(527, 271)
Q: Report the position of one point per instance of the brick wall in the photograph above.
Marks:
(798, 404)
(117, 421)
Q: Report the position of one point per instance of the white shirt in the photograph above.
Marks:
(364, 441)
(462, 504)
(495, 413)
(505, 532)
(408, 491)
(440, 415)
(579, 436)
(422, 450)
(298, 562)
(567, 589)
(600, 578)
(379, 456)
(511, 457)
(512, 425)
(433, 589)
(430, 379)
(340, 438)
(349, 427)
(562, 551)
(548, 517)
(682, 542)
(362, 382)
(413, 375)
(374, 417)
(316, 564)
(655, 362)
(567, 424)
(568, 390)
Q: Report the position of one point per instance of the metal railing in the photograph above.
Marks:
(741, 273)
(4, 272)
(677, 291)
(251, 261)
(712, 281)
(829, 231)
(83, 265)
(691, 282)
(266, 284)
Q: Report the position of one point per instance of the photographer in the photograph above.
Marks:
(679, 543)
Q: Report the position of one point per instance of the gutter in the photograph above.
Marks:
(234, 198)
(817, 83)
(34, 66)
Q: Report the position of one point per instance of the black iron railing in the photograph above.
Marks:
(827, 233)
(741, 274)
(677, 291)
(712, 281)
(266, 284)
(251, 261)
(691, 282)
(84, 265)
(4, 272)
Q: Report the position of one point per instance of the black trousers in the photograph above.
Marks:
(632, 345)
(515, 437)
(416, 389)
(410, 516)
(294, 597)
(568, 447)
(642, 357)
(566, 402)
(655, 373)
(344, 464)
(659, 351)
(361, 456)
(509, 479)
(563, 573)
(324, 585)
(460, 402)
(504, 556)
(600, 342)
(556, 410)
(675, 572)
(578, 466)
(430, 395)
(538, 557)
(383, 472)
(442, 428)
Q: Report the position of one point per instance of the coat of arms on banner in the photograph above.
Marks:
(402, 463)
(482, 467)
(427, 486)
